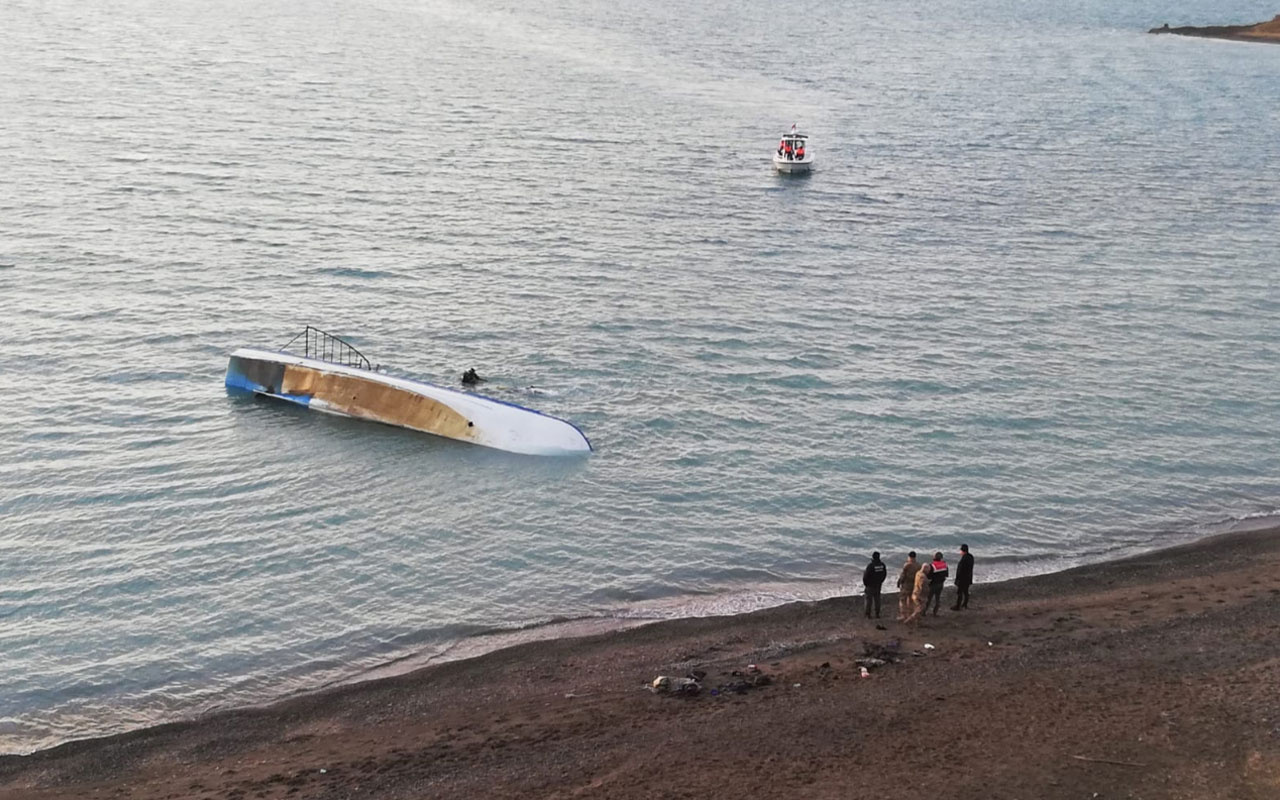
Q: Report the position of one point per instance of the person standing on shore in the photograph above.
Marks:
(937, 582)
(872, 579)
(919, 593)
(906, 585)
(964, 578)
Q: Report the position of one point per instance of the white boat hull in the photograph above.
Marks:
(365, 394)
(783, 164)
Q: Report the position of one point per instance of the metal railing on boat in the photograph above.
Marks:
(324, 346)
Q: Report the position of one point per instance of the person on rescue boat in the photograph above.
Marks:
(786, 149)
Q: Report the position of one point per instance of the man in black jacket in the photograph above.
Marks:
(872, 579)
(964, 579)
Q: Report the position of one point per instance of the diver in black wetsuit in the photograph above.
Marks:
(470, 378)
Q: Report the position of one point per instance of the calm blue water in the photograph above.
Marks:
(1028, 300)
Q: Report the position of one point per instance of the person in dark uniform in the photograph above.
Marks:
(964, 578)
(937, 582)
(872, 579)
(470, 378)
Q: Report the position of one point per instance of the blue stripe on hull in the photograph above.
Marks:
(237, 381)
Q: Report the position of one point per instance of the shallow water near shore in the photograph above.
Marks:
(1027, 300)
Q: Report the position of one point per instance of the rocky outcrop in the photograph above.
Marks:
(1260, 32)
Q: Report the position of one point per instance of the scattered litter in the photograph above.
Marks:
(930, 647)
(1109, 761)
(870, 662)
(865, 672)
(323, 771)
(796, 685)
(989, 644)
(916, 653)
(886, 652)
(670, 685)
(881, 628)
(746, 680)
(752, 678)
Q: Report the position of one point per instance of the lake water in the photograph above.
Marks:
(1028, 300)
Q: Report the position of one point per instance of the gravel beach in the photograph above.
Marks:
(1148, 677)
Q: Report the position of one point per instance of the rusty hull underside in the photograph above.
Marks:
(353, 395)
(369, 399)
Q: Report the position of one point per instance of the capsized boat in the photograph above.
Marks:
(793, 153)
(333, 376)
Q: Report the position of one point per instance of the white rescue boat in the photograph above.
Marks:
(794, 153)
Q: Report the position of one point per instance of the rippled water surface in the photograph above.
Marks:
(1028, 300)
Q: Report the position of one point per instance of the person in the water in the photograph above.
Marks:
(470, 378)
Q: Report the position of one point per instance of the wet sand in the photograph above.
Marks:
(1151, 677)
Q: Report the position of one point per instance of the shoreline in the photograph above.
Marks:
(535, 718)
(1268, 31)
(731, 603)
(499, 638)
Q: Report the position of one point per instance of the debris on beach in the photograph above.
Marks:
(742, 681)
(886, 653)
(826, 672)
(666, 684)
(929, 647)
